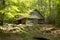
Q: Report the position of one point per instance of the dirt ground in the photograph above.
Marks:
(29, 32)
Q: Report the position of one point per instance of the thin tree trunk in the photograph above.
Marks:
(3, 3)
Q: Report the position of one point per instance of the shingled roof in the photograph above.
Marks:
(37, 14)
(31, 12)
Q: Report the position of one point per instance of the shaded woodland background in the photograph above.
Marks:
(12, 9)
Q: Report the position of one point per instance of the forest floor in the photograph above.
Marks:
(25, 32)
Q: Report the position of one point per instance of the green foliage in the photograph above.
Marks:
(12, 9)
(58, 15)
